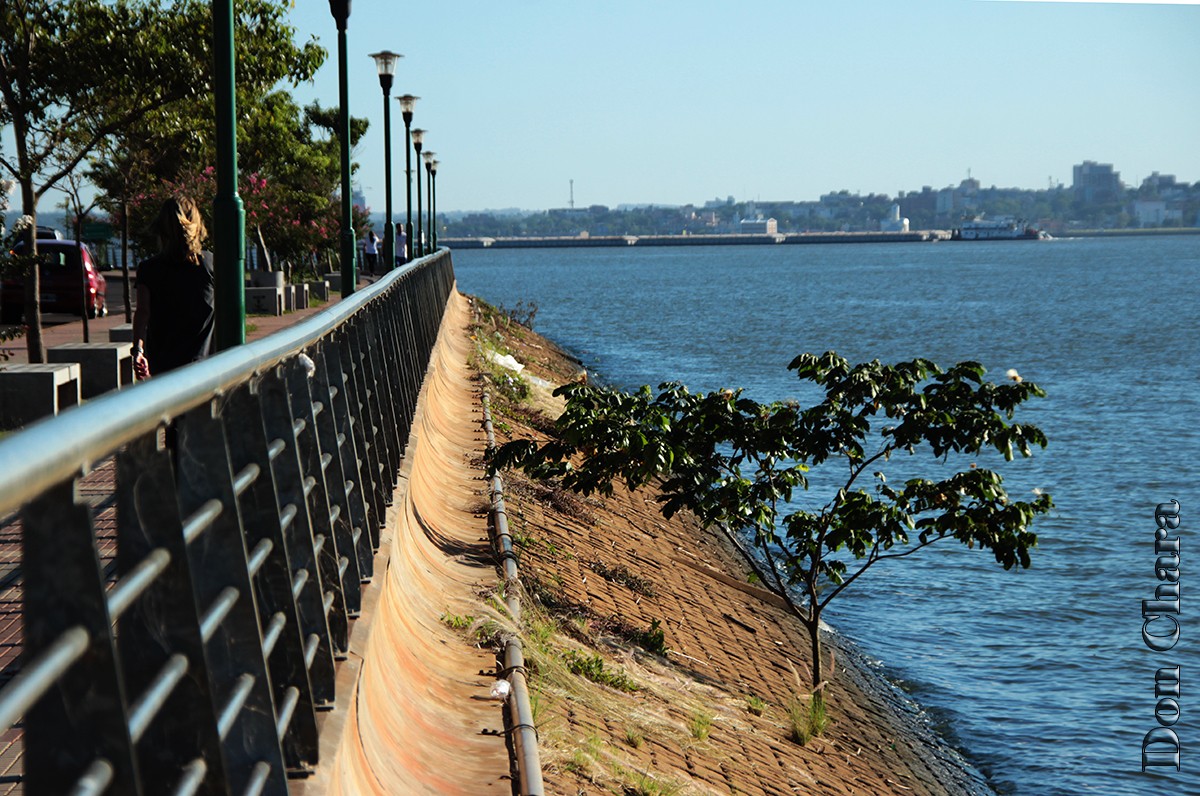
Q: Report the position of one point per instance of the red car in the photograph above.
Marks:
(61, 281)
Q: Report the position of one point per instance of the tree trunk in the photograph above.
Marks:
(83, 292)
(125, 259)
(813, 625)
(260, 245)
(33, 279)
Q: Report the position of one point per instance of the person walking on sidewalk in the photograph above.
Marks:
(371, 251)
(173, 320)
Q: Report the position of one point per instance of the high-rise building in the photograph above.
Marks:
(1096, 183)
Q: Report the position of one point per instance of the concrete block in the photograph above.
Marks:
(335, 281)
(30, 392)
(295, 297)
(266, 278)
(121, 334)
(264, 300)
(102, 366)
(318, 290)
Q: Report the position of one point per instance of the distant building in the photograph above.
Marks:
(1155, 213)
(760, 226)
(919, 204)
(1096, 183)
(893, 222)
(1159, 183)
(955, 201)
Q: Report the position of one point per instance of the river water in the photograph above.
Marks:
(1040, 676)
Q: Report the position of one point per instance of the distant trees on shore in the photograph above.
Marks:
(1054, 208)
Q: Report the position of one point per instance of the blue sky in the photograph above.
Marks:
(672, 102)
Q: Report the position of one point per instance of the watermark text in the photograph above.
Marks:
(1160, 632)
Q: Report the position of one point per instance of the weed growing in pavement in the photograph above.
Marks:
(653, 640)
(488, 633)
(700, 724)
(592, 668)
(621, 574)
(522, 313)
(458, 622)
(540, 631)
(645, 784)
(756, 705)
(634, 737)
(807, 718)
(579, 764)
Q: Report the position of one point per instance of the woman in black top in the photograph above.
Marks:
(173, 322)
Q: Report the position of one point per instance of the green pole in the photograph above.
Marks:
(429, 196)
(406, 110)
(229, 219)
(417, 141)
(389, 229)
(349, 273)
(433, 202)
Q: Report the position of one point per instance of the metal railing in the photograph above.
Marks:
(249, 492)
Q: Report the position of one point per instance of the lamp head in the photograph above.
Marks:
(341, 12)
(385, 64)
(418, 136)
(407, 101)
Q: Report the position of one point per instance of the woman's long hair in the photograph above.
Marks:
(181, 231)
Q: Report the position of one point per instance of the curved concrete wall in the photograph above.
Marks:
(420, 721)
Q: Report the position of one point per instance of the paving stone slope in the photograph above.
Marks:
(727, 640)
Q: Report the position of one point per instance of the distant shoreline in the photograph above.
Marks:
(917, 236)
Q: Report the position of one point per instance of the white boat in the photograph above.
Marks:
(998, 229)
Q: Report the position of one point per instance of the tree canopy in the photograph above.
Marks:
(736, 464)
(79, 76)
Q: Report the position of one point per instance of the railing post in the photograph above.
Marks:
(364, 421)
(362, 515)
(84, 718)
(233, 641)
(373, 347)
(336, 596)
(264, 522)
(341, 483)
(164, 623)
(278, 419)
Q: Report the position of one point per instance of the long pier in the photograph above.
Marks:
(593, 241)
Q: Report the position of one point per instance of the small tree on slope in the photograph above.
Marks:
(735, 464)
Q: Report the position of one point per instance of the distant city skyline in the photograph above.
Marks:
(1066, 184)
(672, 102)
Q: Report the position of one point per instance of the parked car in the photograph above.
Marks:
(62, 283)
(48, 233)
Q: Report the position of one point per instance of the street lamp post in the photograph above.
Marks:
(429, 194)
(229, 227)
(433, 167)
(341, 14)
(418, 137)
(406, 110)
(385, 63)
